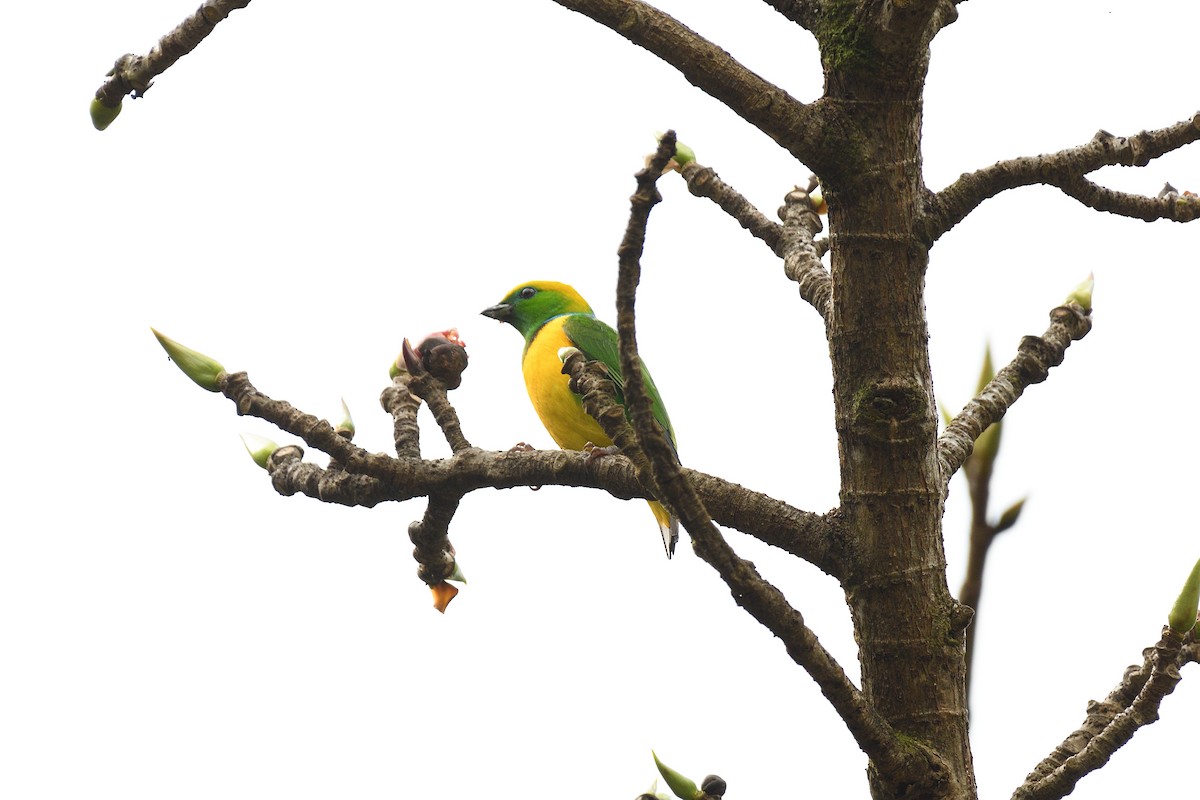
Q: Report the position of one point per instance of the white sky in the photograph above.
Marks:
(320, 180)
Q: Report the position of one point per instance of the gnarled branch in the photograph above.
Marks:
(703, 182)
(1109, 725)
(1168, 205)
(134, 74)
(801, 254)
(366, 479)
(1063, 169)
(1035, 356)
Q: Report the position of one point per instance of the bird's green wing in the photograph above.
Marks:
(598, 342)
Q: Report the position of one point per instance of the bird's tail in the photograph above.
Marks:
(668, 525)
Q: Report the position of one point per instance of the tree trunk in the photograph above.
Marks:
(908, 627)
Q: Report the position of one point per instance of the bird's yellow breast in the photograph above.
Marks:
(560, 410)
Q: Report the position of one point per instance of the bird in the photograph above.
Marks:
(552, 316)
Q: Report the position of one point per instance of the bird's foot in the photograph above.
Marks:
(524, 447)
(595, 451)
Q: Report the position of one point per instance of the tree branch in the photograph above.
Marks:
(1110, 725)
(800, 253)
(366, 479)
(1063, 169)
(790, 123)
(430, 535)
(135, 74)
(403, 405)
(290, 475)
(433, 391)
(793, 241)
(703, 182)
(1169, 205)
(1032, 364)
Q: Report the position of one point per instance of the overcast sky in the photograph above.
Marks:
(318, 181)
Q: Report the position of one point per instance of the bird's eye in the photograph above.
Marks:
(528, 292)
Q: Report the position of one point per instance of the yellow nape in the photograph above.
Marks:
(558, 407)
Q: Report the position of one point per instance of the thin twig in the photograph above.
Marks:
(704, 182)
(1169, 206)
(134, 75)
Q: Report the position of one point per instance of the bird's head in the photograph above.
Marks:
(532, 304)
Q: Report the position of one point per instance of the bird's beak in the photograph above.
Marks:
(501, 312)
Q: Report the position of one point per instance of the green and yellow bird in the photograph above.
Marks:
(551, 316)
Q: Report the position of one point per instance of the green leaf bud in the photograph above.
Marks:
(260, 448)
(1083, 293)
(102, 115)
(684, 788)
(457, 574)
(1183, 614)
(346, 426)
(1010, 515)
(683, 154)
(205, 371)
(817, 198)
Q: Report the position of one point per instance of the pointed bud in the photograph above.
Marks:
(684, 788)
(260, 448)
(412, 361)
(206, 372)
(817, 198)
(1010, 515)
(566, 352)
(1183, 614)
(457, 574)
(443, 593)
(102, 115)
(346, 426)
(1083, 293)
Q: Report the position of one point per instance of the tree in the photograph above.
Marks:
(863, 139)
